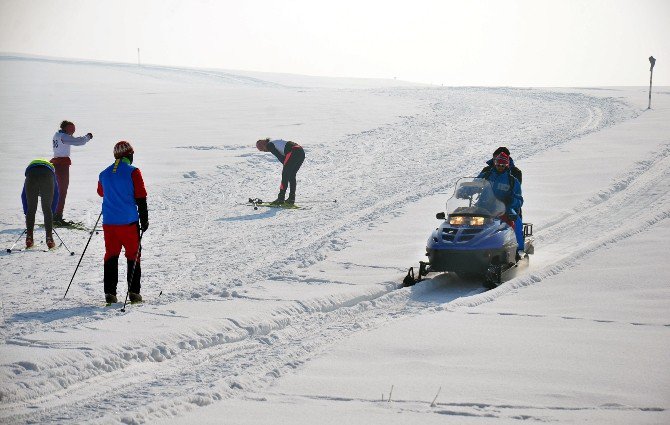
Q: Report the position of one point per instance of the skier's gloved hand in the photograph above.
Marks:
(511, 214)
(90, 135)
(143, 213)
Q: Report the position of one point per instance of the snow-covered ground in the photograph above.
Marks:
(275, 316)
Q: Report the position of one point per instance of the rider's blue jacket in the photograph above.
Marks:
(506, 188)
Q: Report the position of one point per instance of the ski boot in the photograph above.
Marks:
(29, 241)
(50, 242)
(280, 198)
(110, 299)
(291, 199)
(134, 297)
(58, 220)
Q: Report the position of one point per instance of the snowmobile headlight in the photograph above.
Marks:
(477, 221)
(457, 221)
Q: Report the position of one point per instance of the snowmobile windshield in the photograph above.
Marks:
(474, 197)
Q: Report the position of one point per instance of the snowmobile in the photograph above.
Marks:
(473, 241)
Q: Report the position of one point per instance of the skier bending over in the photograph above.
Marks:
(507, 189)
(291, 155)
(124, 213)
(40, 182)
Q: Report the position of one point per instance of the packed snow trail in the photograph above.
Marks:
(240, 302)
(203, 368)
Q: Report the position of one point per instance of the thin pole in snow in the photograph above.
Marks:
(435, 399)
(95, 226)
(61, 241)
(132, 273)
(17, 240)
(652, 61)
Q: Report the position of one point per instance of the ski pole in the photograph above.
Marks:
(132, 274)
(82, 254)
(61, 241)
(17, 240)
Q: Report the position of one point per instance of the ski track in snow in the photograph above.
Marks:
(226, 257)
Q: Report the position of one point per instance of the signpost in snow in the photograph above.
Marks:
(652, 61)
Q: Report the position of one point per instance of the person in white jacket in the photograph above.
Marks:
(62, 141)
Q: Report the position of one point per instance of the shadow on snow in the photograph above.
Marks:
(444, 288)
(270, 212)
(46, 316)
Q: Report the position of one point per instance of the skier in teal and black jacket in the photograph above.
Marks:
(507, 189)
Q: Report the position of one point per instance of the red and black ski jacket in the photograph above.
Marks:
(282, 149)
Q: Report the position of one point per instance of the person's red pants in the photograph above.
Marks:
(62, 168)
(118, 236)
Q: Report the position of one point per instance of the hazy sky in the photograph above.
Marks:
(519, 43)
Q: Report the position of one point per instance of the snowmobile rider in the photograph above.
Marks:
(291, 155)
(40, 183)
(124, 213)
(516, 172)
(62, 141)
(507, 189)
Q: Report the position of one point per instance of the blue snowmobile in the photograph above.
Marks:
(473, 241)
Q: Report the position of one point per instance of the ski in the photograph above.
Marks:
(54, 249)
(36, 247)
(282, 206)
(256, 202)
(69, 225)
(121, 303)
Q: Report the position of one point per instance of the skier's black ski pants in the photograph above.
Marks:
(39, 184)
(292, 164)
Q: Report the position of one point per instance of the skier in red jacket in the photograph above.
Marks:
(124, 214)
